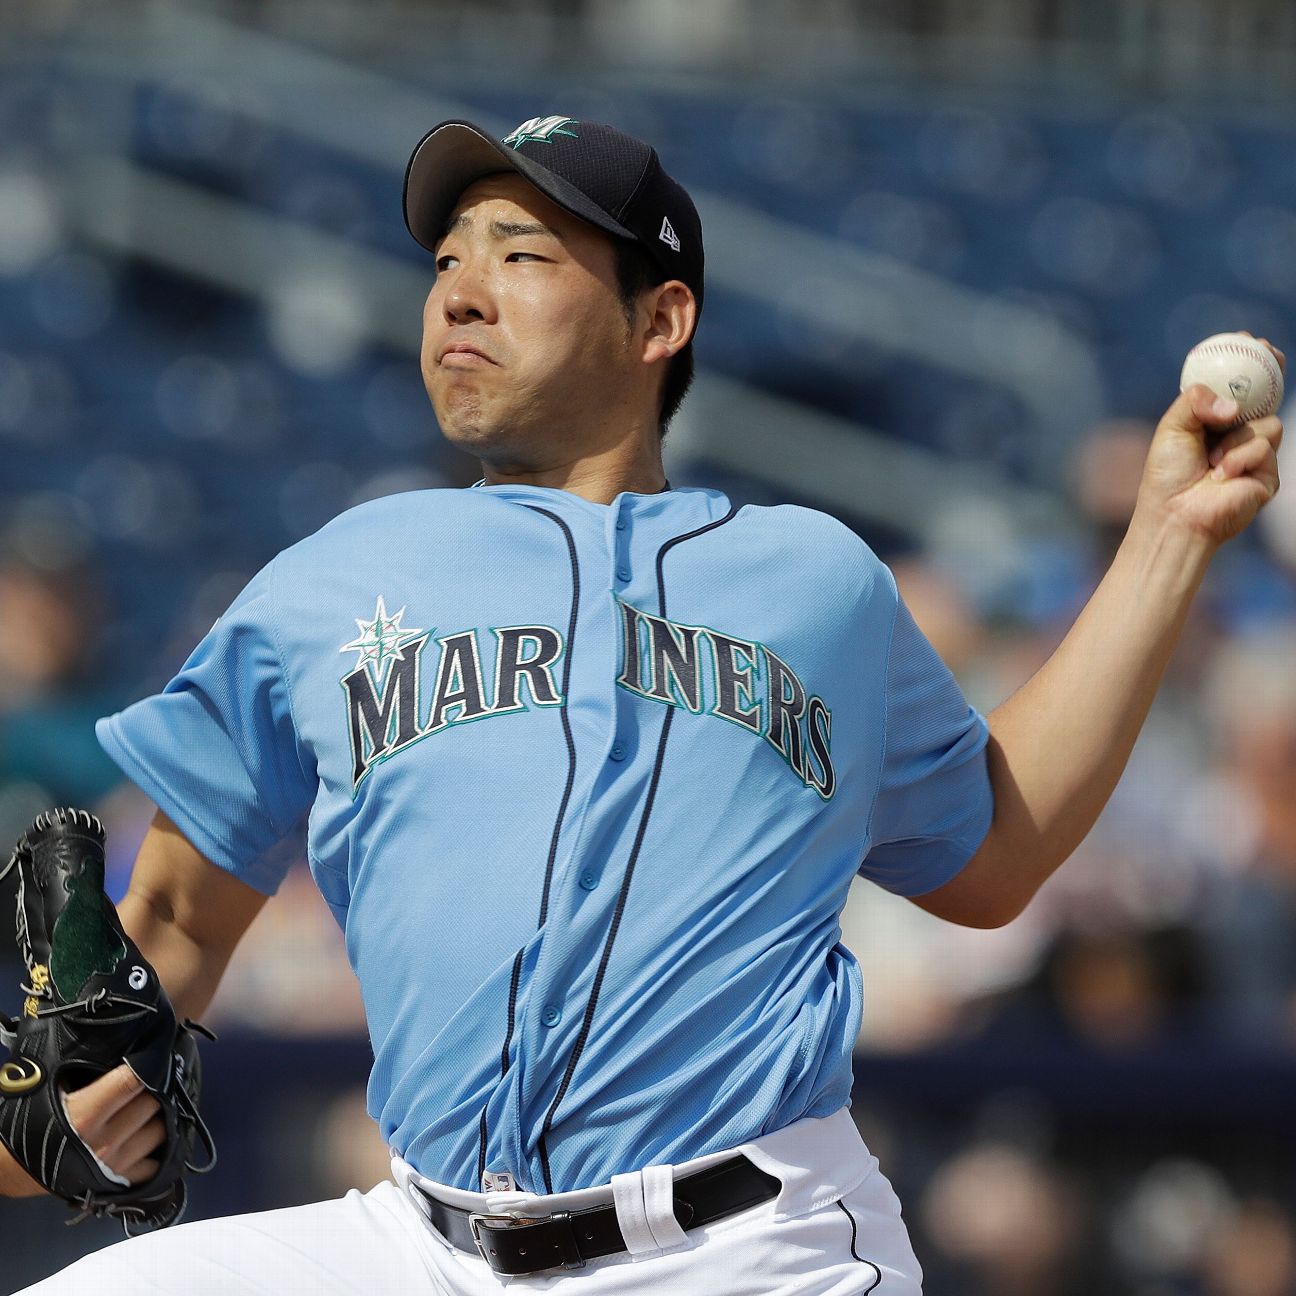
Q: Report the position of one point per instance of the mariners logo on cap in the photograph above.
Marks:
(540, 128)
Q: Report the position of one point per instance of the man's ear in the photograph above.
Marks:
(672, 317)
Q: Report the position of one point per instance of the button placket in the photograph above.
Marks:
(541, 1014)
(622, 571)
(620, 544)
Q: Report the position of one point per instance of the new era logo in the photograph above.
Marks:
(668, 235)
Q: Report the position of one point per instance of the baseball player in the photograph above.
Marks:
(589, 764)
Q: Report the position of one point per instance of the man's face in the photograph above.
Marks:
(527, 356)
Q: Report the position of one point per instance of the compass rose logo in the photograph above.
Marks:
(382, 640)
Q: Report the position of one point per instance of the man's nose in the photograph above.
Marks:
(468, 298)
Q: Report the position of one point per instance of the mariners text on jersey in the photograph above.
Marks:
(691, 666)
(585, 787)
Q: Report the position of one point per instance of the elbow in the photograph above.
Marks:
(970, 906)
(990, 891)
(997, 913)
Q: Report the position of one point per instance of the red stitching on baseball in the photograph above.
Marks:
(1258, 353)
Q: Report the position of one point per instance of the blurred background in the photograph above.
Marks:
(957, 250)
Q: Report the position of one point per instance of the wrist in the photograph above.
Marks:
(1167, 549)
(1172, 532)
(14, 1180)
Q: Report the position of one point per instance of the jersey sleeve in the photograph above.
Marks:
(217, 750)
(934, 801)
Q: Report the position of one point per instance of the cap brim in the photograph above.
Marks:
(456, 154)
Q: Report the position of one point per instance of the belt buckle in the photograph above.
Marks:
(572, 1258)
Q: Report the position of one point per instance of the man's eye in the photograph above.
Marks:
(444, 263)
(529, 256)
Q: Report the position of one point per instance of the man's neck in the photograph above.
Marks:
(599, 477)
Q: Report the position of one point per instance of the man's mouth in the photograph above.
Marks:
(463, 355)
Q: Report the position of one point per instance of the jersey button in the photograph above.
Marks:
(551, 1015)
(621, 524)
(618, 751)
(623, 573)
(588, 880)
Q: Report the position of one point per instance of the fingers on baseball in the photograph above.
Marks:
(1269, 429)
(1200, 405)
(1255, 459)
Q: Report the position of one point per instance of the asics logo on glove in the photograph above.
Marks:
(20, 1077)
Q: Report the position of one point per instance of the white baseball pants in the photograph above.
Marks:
(833, 1230)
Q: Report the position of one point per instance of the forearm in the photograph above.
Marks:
(1059, 745)
(186, 915)
(189, 971)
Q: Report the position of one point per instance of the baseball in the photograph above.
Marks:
(1236, 366)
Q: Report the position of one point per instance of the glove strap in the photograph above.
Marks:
(187, 1108)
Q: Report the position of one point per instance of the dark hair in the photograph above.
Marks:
(636, 272)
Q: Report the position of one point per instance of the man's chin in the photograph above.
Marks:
(464, 423)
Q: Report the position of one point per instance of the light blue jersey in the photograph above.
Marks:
(587, 785)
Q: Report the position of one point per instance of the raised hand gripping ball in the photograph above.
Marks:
(1237, 367)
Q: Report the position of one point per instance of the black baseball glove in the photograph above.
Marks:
(93, 1001)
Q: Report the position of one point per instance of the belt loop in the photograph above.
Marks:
(632, 1218)
(659, 1206)
(403, 1174)
(506, 1203)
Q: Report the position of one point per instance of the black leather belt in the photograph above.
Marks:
(518, 1244)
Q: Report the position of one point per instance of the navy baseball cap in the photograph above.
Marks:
(596, 172)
